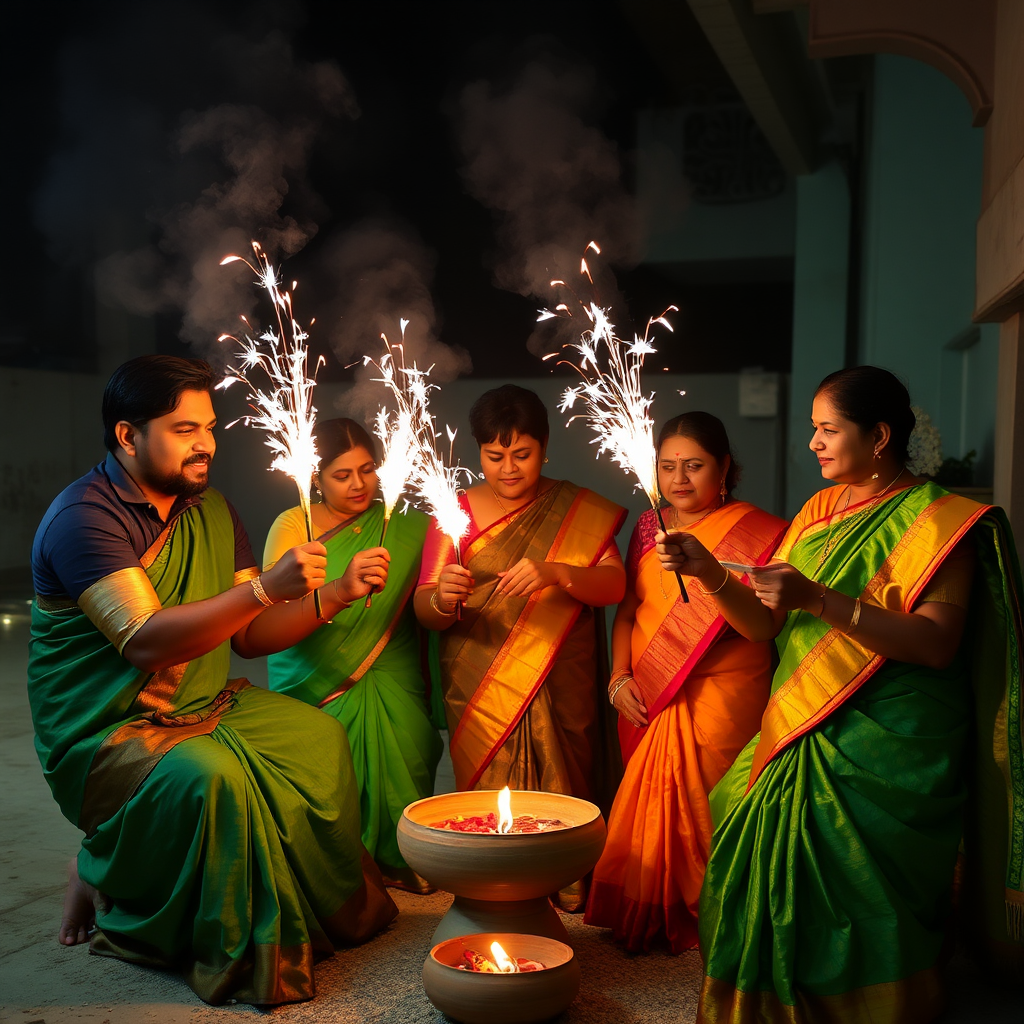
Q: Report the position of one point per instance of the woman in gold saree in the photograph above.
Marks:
(363, 667)
(828, 893)
(520, 665)
(690, 692)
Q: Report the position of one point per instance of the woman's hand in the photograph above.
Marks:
(527, 576)
(683, 553)
(366, 573)
(783, 588)
(454, 585)
(629, 702)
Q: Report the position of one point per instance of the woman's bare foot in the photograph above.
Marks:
(81, 901)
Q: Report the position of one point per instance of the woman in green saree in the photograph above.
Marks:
(828, 893)
(363, 667)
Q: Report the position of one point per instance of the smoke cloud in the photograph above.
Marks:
(381, 273)
(555, 181)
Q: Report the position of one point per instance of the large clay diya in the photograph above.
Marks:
(501, 881)
(528, 978)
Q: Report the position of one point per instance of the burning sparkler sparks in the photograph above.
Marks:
(285, 409)
(409, 439)
(615, 406)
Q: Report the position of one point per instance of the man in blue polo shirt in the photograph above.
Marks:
(221, 820)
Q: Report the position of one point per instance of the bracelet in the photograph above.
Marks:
(261, 594)
(854, 618)
(617, 684)
(821, 610)
(434, 605)
(726, 580)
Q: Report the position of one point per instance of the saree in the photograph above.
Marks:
(224, 851)
(704, 688)
(363, 668)
(827, 895)
(522, 675)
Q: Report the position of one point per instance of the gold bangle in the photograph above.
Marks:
(855, 617)
(434, 605)
(821, 610)
(717, 589)
(618, 684)
(261, 594)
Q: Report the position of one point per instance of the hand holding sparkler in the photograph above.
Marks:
(285, 411)
(615, 407)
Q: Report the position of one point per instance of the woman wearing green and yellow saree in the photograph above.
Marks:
(828, 893)
(363, 667)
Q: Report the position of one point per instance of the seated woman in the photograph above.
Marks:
(827, 896)
(690, 692)
(363, 667)
(520, 668)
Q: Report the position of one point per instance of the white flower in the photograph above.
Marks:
(925, 446)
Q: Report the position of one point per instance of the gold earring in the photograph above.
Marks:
(546, 459)
(874, 476)
(723, 493)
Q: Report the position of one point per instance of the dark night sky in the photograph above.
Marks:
(398, 160)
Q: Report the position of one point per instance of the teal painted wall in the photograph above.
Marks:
(819, 314)
(922, 199)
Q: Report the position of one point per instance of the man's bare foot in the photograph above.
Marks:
(81, 901)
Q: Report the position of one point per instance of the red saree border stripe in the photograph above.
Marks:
(525, 617)
(704, 633)
(773, 741)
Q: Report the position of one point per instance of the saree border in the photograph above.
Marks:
(385, 639)
(916, 999)
(791, 712)
(552, 622)
(682, 619)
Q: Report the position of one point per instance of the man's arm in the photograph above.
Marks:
(178, 634)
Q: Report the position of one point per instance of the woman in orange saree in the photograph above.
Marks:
(690, 692)
(520, 664)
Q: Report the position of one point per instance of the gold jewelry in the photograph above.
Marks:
(616, 685)
(709, 593)
(436, 607)
(821, 610)
(855, 617)
(847, 523)
(261, 594)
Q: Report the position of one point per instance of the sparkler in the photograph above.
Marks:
(409, 439)
(615, 405)
(285, 409)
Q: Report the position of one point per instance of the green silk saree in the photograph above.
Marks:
(226, 847)
(828, 892)
(363, 668)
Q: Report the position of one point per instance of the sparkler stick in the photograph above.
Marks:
(285, 409)
(615, 406)
(395, 430)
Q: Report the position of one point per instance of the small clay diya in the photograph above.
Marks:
(501, 998)
(501, 881)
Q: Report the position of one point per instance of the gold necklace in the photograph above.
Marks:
(846, 524)
(514, 514)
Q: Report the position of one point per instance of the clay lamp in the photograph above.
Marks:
(501, 978)
(501, 878)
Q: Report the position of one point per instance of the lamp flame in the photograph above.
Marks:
(504, 963)
(505, 819)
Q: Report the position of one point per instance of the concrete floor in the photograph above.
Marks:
(44, 983)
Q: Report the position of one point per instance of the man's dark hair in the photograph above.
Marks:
(147, 387)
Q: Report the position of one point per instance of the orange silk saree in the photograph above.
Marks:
(705, 688)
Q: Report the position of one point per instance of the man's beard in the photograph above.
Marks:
(180, 485)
